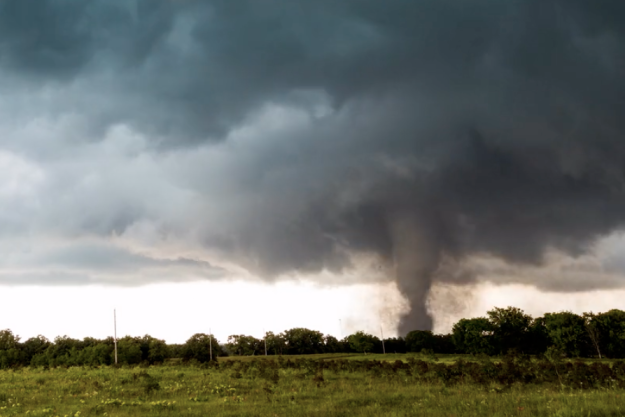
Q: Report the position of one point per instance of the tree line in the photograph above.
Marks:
(502, 331)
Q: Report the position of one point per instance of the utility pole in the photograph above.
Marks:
(265, 337)
(382, 334)
(210, 343)
(115, 333)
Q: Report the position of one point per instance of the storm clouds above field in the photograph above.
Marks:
(416, 141)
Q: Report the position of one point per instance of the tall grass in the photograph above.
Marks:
(274, 388)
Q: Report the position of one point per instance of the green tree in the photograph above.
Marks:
(590, 323)
(243, 345)
(64, 351)
(395, 345)
(301, 341)
(609, 330)
(175, 350)
(443, 343)
(199, 346)
(275, 343)
(8, 340)
(99, 354)
(510, 329)
(332, 344)
(129, 350)
(473, 336)
(10, 354)
(566, 332)
(34, 346)
(537, 338)
(363, 342)
(417, 340)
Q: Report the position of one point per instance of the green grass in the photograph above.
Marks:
(390, 357)
(192, 391)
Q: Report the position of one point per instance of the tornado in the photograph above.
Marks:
(416, 254)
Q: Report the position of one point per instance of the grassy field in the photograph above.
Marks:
(389, 357)
(244, 389)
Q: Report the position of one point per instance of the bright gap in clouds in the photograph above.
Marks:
(174, 312)
(450, 303)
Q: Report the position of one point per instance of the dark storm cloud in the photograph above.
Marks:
(432, 130)
(186, 69)
(111, 259)
(98, 263)
(59, 39)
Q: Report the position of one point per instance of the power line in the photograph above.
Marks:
(115, 333)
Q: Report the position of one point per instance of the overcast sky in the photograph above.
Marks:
(397, 146)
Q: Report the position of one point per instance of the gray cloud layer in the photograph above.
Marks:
(284, 137)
